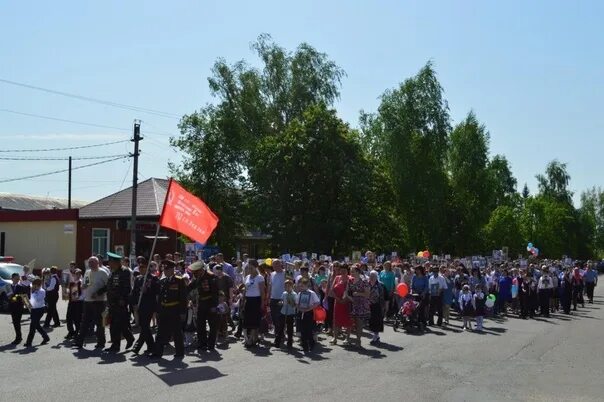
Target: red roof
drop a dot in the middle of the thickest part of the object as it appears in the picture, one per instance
(39, 216)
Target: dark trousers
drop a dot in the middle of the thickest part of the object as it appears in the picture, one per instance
(307, 323)
(277, 318)
(544, 295)
(589, 289)
(522, 299)
(331, 303)
(35, 317)
(74, 316)
(52, 313)
(287, 322)
(170, 326)
(145, 336)
(436, 307)
(565, 300)
(204, 315)
(92, 315)
(577, 296)
(120, 325)
(16, 314)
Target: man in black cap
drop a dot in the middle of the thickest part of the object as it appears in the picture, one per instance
(207, 290)
(172, 310)
(144, 299)
(118, 293)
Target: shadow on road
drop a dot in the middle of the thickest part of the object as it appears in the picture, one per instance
(389, 347)
(10, 346)
(178, 373)
(204, 357)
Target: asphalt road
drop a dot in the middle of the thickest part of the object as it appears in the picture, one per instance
(556, 359)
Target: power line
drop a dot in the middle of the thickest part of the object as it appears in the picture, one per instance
(64, 120)
(63, 149)
(62, 171)
(39, 116)
(94, 100)
(58, 159)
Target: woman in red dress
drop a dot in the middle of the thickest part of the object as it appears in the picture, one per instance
(341, 314)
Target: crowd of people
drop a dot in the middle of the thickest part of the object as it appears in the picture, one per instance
(204, 304)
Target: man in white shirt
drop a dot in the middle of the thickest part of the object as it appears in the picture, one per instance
(436, 285)
(545, 287)
(95, 288)
(276, 288)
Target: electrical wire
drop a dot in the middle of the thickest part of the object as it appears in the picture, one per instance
(64, 120)
(39, 116)
(60, 159)
(62, 170)
(63, 149)
(94, 100)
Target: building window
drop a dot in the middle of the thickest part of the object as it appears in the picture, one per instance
(100, 241)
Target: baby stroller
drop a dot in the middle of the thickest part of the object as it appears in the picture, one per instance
(408, 315)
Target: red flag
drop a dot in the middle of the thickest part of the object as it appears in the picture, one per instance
(187, 214)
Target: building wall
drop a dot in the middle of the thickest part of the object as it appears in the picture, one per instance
(120, 236)
(49, 242)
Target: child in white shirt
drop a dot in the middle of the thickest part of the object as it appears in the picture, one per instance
(306, 301)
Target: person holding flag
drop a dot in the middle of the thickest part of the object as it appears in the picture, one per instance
(172, 310)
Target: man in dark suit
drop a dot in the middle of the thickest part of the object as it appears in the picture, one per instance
(15, 305)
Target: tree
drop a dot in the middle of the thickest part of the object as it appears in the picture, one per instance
(316, 187)
(211, 170)
(592, 218)
(554, 183)
(503, 229)
(503, 181)
(525, 192)
(413, 125)
(471, 184)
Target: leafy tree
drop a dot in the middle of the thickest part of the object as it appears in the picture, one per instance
(525, 192)
(592, 218)
(210, 169)
(554, 183)
(503, 181)
(317, 188)
(503, 230)
(413, 127)
(471, 183)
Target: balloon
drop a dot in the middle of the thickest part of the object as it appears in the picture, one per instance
(536, 250)
(269, 262)
(530, 245)
(319, 314)
(514, 291)
(426, 254)
(489, 303)
(402, 289)
(528, 248)
(492, 297)
(420, 254)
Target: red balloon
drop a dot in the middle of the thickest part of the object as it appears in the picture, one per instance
(319, 314)
(402, 289)
(426, 254)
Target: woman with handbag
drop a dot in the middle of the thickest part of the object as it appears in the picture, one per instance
(341, 314)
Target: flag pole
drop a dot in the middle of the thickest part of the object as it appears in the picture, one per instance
(140, 296)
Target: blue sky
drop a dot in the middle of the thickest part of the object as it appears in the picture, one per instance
(532, 72)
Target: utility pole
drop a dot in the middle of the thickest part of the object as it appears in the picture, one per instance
(69, 189)
(136, 139)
